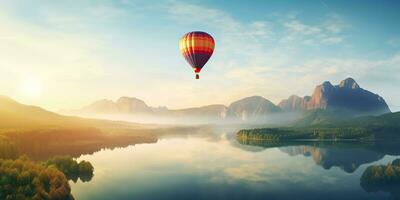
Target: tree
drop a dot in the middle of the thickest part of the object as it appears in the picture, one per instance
(25, 179)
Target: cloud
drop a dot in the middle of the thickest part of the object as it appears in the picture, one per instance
(248, 172)
(332, 40)
(394, 42)
(107, 12)
(367, 69)
(335, 24)
(231, 33)
(326, 33)
(379, 74)
(46, 51)
(296, 27)
(267, 57)
(263, 57)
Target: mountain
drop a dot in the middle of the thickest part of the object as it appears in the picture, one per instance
(131, 104)
(388, 120)
(134, 106)
(320, 117)
(14, 115)
(337, 118)
(294, 103)
(347, 96)
(124, 105)
(251, 108)
(246, 109)
(133, 109)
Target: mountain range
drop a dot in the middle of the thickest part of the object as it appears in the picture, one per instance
(14, 115)
(346, 97)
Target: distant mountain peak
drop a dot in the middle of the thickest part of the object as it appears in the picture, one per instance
(346, 96)
(293, 103)
(123, 105)
(255, 97)
(126, 98)
(293, 96)
(327, 84)
(132, 104)
(349, 83)
(252, 100)
(251, 108)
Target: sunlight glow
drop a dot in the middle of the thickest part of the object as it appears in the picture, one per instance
(31, 86)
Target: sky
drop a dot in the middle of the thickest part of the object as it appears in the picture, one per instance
(67, 54)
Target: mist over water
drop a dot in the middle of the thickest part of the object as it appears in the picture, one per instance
(276, 119)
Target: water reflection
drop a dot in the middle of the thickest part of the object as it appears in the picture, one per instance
(217, 166)
(348, 156)
(347, 159)
(200, 168)
(375, 179)
(382, 178)
(44, 145)
(41, 145)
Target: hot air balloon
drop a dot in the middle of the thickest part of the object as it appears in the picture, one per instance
(197, 47)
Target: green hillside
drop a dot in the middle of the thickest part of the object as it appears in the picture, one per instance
(339, 118)
(321, 125)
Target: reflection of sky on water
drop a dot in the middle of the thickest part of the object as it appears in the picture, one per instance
(198, 168)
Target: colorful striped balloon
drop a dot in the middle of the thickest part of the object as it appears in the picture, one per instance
(197, 47)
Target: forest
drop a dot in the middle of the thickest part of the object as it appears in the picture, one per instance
(23, 178)
(278, 134)
(360, 129)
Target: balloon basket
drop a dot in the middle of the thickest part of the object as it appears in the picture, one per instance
(197, 76)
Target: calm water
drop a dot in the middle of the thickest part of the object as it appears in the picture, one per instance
(220, 167)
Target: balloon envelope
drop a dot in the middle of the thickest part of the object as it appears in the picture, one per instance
(197, 48)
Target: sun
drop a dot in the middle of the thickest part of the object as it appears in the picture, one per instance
(31, 86)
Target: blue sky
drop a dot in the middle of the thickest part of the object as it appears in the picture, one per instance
(81, 51)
